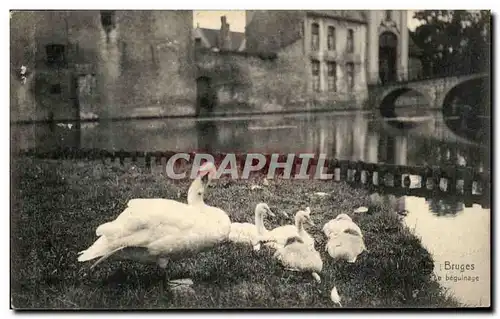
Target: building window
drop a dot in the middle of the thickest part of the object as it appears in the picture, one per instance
(388, 15)
(331, 39)
(350, 41)
(108, 22)
(350, 76)
(87, 84)
(108, 19)
(315, 75)
(332, 76)
(315, 37)
(55, 89)
(197, 43)
(55, 54)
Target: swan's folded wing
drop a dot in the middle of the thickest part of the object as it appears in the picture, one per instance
(282, 233)
(300, 256)
(145, 202)
(133, 220)
(157, 205)
(150, 206)
(332, 227)
(335, 227)
(243, 232)
(353, 244)
(180, 238)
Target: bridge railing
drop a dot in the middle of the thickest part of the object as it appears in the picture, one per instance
(418, 74)
(464, 184)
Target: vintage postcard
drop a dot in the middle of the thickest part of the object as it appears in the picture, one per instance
(184, 159)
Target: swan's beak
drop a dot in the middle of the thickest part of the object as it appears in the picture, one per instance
(205, 180)
(310, 222)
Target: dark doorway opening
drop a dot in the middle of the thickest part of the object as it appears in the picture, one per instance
(388, 52)
(206, 98)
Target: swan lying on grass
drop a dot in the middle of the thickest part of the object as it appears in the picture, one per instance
(345, 239)
(296, 255)
(161, 230)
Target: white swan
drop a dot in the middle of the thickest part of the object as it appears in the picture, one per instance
(345, 239)
(342, 223)
(345, 246)
(166, 230)
(296, 255)
(278, 237)
(247, 233)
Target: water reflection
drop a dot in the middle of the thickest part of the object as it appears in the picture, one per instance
(452, 233)
(206, 134)
(445, 207)
(463, 239)
(351, 136)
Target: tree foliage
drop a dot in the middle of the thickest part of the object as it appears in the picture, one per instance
(453, 41)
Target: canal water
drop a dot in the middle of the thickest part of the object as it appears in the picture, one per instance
(453, 233)
(460, 243)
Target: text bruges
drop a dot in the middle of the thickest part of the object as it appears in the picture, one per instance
(462, 267)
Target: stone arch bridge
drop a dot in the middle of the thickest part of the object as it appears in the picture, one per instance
(473, 89)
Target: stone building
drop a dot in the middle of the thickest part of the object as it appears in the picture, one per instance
(415, 63)
(101, 64)
(336, 53)
(222, 38)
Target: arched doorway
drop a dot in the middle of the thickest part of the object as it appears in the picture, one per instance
(387, 55)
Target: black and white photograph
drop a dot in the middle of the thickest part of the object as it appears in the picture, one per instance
(190, 159)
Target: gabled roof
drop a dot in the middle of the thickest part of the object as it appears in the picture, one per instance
(209, 37)
(350, 15)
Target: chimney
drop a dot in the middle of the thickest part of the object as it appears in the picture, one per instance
(224, 35)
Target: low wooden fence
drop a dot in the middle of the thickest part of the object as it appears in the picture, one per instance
(465, 184)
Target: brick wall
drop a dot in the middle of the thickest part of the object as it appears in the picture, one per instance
(155, 74)
(22, 52)
(244, 82)
(251, 82)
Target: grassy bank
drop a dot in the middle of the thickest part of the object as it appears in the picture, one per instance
(56, 206)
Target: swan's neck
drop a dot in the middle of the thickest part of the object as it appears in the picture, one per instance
(259, 223)
(300, 226)
(197, 202)
(193, 198)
